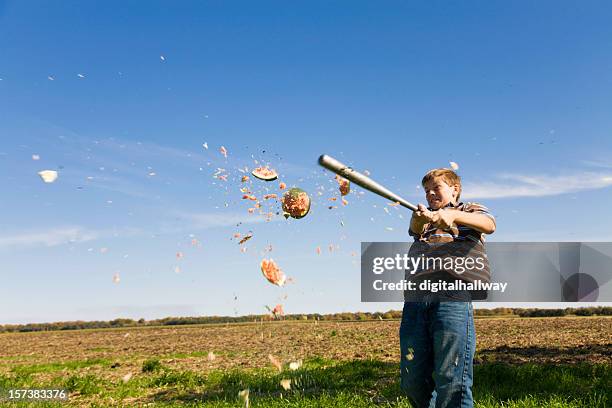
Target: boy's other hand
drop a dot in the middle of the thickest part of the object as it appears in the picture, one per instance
(445, 219)
(423, 215)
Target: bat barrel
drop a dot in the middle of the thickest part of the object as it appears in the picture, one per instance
(362, 180)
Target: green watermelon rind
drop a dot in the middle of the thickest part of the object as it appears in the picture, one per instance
(264, 178)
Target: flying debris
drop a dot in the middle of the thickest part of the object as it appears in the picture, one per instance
(277, 311)
(245, 239)
(48, 176)
(344, 185)
(223, 151)
(275, 362)
(286, 384)
(296, 203)
(295, 365)
(265, 173)
(244, 396)
(272, 272)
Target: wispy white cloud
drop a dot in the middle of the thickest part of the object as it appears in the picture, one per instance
(600, 164)
(70, 234)
(519, 185)
(56, 236)
(49, 238)
(199, 221)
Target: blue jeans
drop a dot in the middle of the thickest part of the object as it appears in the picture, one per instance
(438, 342)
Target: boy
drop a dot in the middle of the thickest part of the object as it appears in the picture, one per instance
(437, 337)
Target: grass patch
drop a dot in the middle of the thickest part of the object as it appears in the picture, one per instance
(151, 365)
(180, 379)
(373, 383)
(85, 385)
(584, 383)
(328, 383)
(25, 370)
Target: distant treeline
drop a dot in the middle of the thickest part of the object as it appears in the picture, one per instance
(569, 311)
(391, 314)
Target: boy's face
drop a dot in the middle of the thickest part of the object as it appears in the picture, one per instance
(439, 194)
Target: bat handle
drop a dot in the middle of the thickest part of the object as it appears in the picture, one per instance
(408, 205)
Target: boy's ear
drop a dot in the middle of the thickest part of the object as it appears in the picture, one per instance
(455, 191)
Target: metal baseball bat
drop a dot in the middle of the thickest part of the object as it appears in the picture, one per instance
(348, 173)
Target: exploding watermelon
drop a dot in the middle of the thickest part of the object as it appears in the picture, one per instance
(296, 203)
(265, 173)
(272, 272)
(344, 185)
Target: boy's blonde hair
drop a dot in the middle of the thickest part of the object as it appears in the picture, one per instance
(449, 176)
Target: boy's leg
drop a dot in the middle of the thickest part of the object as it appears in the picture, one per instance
(416, 355)
(454, 342)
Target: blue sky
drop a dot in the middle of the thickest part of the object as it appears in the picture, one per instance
(517, 93)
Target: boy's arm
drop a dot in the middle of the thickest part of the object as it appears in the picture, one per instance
(477, 220)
